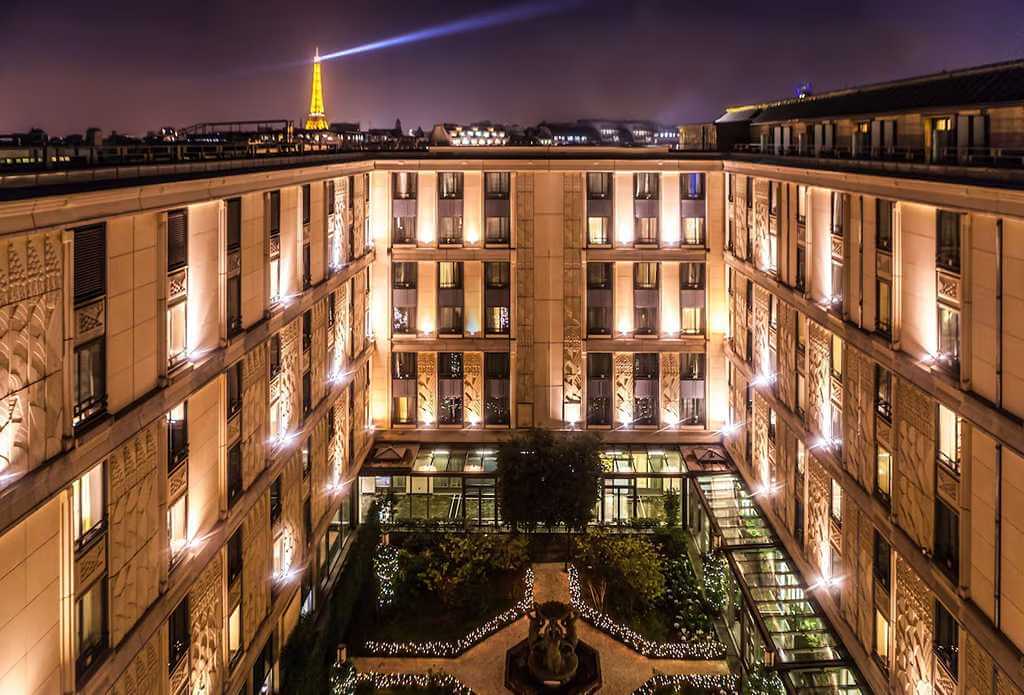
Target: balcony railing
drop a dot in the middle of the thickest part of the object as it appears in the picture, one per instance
(996, 157)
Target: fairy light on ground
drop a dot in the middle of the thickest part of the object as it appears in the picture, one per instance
(450, 648)
(693, 649)
(436, 680)
(385, 565)
(702, 681)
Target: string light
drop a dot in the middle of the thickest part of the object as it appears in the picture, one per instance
(451, 648)
(383, 681)
(700, 681)
(691, 649)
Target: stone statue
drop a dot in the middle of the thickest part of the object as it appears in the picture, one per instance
(552, 642)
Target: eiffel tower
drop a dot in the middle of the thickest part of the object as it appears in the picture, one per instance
(317, 119)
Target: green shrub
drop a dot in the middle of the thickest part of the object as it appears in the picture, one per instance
(623, 571)
(670, 503)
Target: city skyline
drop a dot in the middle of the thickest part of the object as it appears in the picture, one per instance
(227, 69)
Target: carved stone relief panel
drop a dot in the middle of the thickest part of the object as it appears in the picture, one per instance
(623, 387)
(670, 411)
(318, 351)
(206, 622)
(572, 289)
(256, 567)
(359, 309)
(759, 455)
(472, 386)
(426, 386)
(914, 461)
(524, 367)
(144, 675)
(255, 409)
(818, 527)
(342, 326)
(818, 377)
(762, 363)
(739, 208)
(135, 517)
(913, 631)
(759, 234)
(289, 398)
(858, 415)
(786, 343)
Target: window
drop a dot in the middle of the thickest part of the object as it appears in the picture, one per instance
(263, 671)
(883, 392)
(88, 496)
(234, 302)
(332, 311)
(306, 205)
(801, 204)
(234, 223)
(947, 540)
(496, 185)
(449, 297)
(90, 263)
(645, 208)
(234, 473)
(881, 644)
(947, 252)
(179, 636)
(883, 473)
(599, 298)
(693, 231)
(838, 209)
(645, 298)
(691, 298)
(449, 185)
(772, 425)
(691, 276)
(177, 330)
(274, 232)
(275, 355)
(599, 208)
(949, 339)
(599, 185)
(801, 268)
(883, 562)
(275, 500)
(836, 361)
(883, 216)
(403, 298)
(90, 381)
(403, 388)
(177, 526)
(307, 457)
(177, 435)
(450, 388)
(946, 640)
(496, 388)
(645, 389)
(730, 186)
(599, 388)
(692, 187)
(234, 557)
(307, 266)
(883, 294)
(234, 389)
(773, 198)
(835, 504)
(645, 186)
(950, 434)
(497, 302)
(177, 239)
(307, 330)
(403, 185)
(91, 625)
(496, 229)
(235, 634)
(836, 300)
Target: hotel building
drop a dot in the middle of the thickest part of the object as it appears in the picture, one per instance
(803, 317)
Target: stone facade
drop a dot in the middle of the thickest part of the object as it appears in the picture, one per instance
(572, 295)
(523, 360)
(914, 477)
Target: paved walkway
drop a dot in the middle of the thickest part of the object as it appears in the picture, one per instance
(482, 667)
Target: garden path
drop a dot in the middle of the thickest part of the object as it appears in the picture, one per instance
(482, 667)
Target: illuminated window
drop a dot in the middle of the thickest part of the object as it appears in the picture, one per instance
(280, 559)
(177, 435)
(801, 204)
(881, 638)
(838, 213)
(883, 294)
(88, 501)
(884, 212)
(835, 507)
(403, 388)
(91, 625)
(950, 426)
(235, 634)
(177, 318)
(949, 338)
(883, 392)
(947, 253)
(693, 231)
(883, 473)
(597, 231)
(837, 357)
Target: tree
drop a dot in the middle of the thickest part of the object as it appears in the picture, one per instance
(546, 480)
(622, 570)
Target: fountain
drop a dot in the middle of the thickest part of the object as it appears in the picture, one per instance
(552, 660)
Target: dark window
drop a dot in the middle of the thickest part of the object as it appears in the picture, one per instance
(691, 276)
(599, 185)
(234, 300)
(275, 355)
(234, 473)
(883, 392)
(838, 213)
(305, 204)
(234, 556)
(449, 185)
(307, 394)
(179, 636)
(403, 185)
(496, 388)
(331, 315)
(91, 626)
(750, 191)
(693, 186)
(497, 302)
(449, 297)
(946, 643)
(330, 196)
(234, 223)
(947, 540)
(263, 670)
(883, 562)
(403, 297)
(801, 268)
(307, 267)
(645, 185)
(330, 423)
(307, 330)
(496, 185)
(450, 388)
(645, 388)
(947, 253)
(234, 388)
(403, 388)
(645, 298)
(883, 216)
(177, 239)
(274, 221)
(599, 298)
(177, 436)
(599, 388)
(90, 381)
(90, 263)
(275, 500)
(307, 457)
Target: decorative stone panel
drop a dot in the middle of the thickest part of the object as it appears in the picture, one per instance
(858, 415)
(572, 290)
(739, 208)
(426, 386)
(762, 364)
(289, 396)
(359, 208)
(342, 325)
(759, 234)
(735, 442)
(472, 386)
(206, 621)
(144, 675)
(759, 455)
(31, 349)
(318, 352)
(786, 345)
(818, 524)
(623, 387)
(913, 631)
(255, 411)
(524, 367)
(914, 459)
(819, 345)
(359, 309)
(135, 517)
(669, 368)
(290, 525)
(360, 394)
(256, 567)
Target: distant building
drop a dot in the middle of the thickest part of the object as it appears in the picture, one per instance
(474, 135)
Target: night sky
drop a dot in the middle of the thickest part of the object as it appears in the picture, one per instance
(134, 66)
